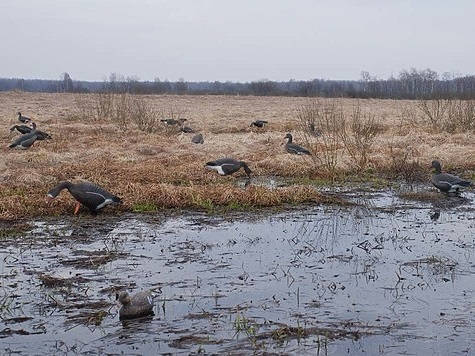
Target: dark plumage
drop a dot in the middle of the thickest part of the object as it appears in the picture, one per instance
(135, 306)
(258, 123)
(23, 129)
(173, 121)
(186, 129)
(294, 148)
(25, 141)
(88, 194)
(446, 182)
(226, 166)
(198, 138)
(41, 135)
(23, 119)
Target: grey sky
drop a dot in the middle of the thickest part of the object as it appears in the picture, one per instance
(238, 40)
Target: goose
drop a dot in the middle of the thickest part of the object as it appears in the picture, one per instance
(23, 129)
(25, 141)
(198, 138)
(294, 148)
(88, 194)
(258, 123)
(186, 129)
(226, 166)
(173, 121)
(41, 135)
(23, 119)
(446, 182)
(135, 306)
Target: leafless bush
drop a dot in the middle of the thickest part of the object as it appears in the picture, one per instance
(358, 136)
(121, 109)
(325, 120)
(83, 108)
(104, 105)
(144, 116)
(401, 165)
(448, 115)
(460, 116)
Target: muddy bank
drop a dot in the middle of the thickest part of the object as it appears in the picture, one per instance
(388, 274)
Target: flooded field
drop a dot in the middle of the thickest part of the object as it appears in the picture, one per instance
(383, 276)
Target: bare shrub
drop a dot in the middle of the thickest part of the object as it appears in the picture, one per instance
(122, 108)
(433, 112)
(104, 105)
(327, 119)
(358, 136)
(460, 116)
(401, 165)
(144, 116)
(83, 108)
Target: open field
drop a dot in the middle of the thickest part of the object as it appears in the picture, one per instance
(164, 169)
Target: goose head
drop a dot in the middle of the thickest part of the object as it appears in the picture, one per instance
(123, 298)
(437, 166)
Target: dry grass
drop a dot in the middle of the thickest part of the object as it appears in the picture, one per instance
(165, 169)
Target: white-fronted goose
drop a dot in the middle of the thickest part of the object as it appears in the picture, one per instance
(88, 194)
(226, 166)
(23, 119)
(25, 141)
(294, 148)
(258, 123)
(198, 138)
(446, 182)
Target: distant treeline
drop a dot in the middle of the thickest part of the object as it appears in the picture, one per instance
(412, 84)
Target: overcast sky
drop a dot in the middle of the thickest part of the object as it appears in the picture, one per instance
(239, 40)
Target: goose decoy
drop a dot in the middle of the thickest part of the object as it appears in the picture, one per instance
(41, 135)
(258, 123)
(173, 121)
(186, 129)
(88, 194)
(23, 129)
(25, 141)
(226, 166)
(23, 119)
(197, 139)
(294, 148)
(446, 182)
(135, 306)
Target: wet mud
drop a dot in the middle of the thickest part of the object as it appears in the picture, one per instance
(392, 273)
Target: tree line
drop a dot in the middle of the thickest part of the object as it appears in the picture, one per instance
(409, 84)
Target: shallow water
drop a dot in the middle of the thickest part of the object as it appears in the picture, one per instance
(386, 276)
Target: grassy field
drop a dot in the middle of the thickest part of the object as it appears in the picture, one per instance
(163, 169)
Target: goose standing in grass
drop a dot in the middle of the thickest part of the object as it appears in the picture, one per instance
(446, 182)
(294, 148)
(198, 138)
(88, 194)
(25, 141)
(226, 166)
(258, 123)
(23, 119)
(186, 129)
(135, 306)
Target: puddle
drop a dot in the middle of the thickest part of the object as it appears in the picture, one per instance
(390, 275)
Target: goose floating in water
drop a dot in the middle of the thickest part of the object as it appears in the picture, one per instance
(198, 138)
(23, 119)
(135, 306)
(88, 194)
(294, 148)
(258, 123)
(446, 182)
(25, 141)
(226, 166)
